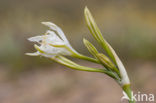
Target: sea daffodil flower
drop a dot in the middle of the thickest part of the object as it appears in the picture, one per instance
(52, 43)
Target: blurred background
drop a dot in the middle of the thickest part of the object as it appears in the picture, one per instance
(128, 25)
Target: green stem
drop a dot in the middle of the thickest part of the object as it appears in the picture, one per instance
(64, 61)
(75, 54)
(80, 56)
(128, 91)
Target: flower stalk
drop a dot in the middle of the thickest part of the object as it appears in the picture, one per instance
(66, 62)
(128, 91)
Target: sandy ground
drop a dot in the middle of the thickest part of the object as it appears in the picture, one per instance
(58, 84)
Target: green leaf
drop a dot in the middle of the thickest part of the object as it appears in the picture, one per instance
(95, 31)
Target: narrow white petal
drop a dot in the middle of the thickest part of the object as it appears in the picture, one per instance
(49, 51)
(57, 29)
(35, 38)
(49, 32)
(48, 56)
(52, 38)
(56, 41)
(33, 54)
(60, 33)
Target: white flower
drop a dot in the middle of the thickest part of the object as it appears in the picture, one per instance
(52, 43)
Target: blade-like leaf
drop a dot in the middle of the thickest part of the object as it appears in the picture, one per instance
(95, 31)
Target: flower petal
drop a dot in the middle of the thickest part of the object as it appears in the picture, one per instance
(52, 38)
(57, 29)
(33, 54)
(60, 33)
(35, 38)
